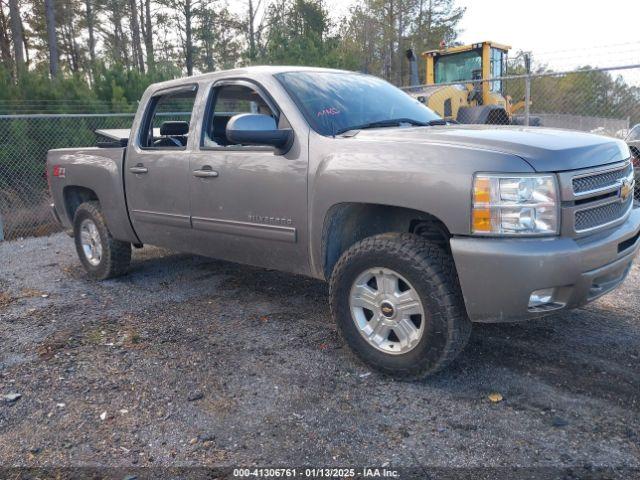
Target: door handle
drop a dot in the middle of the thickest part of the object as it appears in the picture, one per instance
(139, 168)
(205, 172)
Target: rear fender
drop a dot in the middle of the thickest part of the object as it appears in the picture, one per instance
(98, 170)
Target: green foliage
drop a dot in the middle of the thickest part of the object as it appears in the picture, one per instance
(372, 38)
(377, 33)
(300, 35)
(121, 88)
(35, 92)
(115, 89)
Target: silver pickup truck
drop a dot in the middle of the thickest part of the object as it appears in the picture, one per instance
(420, 227)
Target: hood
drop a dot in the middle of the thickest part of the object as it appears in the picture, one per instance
(545, 149)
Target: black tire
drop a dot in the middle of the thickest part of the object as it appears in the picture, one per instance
(116, 254)
(535, 122)
(431, 271)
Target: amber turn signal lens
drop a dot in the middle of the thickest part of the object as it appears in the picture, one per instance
(481, 220)
(481, 191)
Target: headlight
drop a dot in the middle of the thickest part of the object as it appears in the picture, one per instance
(515, 205)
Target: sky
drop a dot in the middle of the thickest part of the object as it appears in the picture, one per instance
(562, 33)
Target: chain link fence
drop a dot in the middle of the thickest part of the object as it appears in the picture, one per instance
(601, 101)
(597, 100)
(24, 142)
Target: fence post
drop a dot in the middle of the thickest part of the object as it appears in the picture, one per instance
(527, 98)
(1, 229)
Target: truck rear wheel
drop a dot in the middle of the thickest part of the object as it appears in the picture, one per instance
(101, 255)
(398, 304)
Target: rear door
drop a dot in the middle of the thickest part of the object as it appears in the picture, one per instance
(157, 172)
(251, 206)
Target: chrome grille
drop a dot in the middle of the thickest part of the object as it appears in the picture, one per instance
(592, 198)
(600, 181)
(591, 218)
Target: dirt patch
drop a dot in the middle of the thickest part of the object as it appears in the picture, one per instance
(54, 343)
(6, 299)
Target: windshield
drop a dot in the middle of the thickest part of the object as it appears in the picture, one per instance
(332, 102)
(458, 66)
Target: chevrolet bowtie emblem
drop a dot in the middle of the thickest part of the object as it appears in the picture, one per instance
(625, 189)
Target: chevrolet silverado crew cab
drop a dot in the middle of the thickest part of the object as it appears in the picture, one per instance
(420, 227)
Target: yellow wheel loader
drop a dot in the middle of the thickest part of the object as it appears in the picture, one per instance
(459, 87)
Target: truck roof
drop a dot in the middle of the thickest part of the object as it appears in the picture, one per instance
(253, 70)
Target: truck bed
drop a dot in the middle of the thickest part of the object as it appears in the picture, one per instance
(117, 137)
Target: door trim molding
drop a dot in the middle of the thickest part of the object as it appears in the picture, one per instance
(246, 229)
(172, 219)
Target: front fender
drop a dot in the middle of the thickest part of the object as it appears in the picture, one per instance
(435, 179)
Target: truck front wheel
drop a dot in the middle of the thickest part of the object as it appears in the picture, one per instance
(398, 304)
(101, 255)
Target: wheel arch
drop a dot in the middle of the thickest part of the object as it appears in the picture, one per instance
(347, 223)
(73, 196)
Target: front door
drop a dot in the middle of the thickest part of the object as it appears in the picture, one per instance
(157, 173)
(248, 204)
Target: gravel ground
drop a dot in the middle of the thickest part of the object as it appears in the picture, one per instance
(192, 361)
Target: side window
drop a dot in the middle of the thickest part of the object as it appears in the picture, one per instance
(230, 100)
(167, 121)
(497, 69)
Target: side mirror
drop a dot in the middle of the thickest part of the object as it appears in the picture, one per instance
(257, 129)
